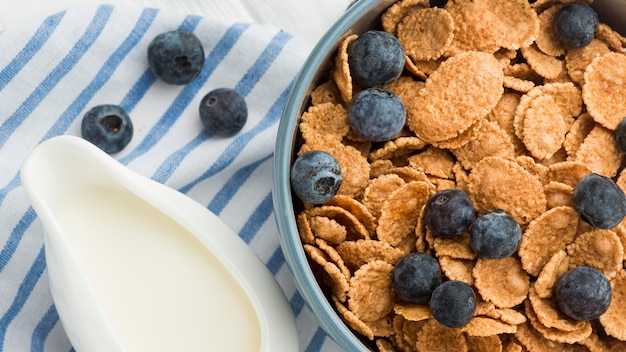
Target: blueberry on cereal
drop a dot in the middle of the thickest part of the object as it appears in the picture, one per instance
(453, 303)
(176, 57)
(415, 277)
(599, 201)
(316, 177)
(375, 58)
(377, 114)
(576, 25)
(620, 135)
(583, 293)
(449, 213)
(495, 235)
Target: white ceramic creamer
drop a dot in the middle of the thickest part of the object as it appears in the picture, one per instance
(136, 266)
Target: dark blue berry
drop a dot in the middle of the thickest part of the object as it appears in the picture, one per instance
(495, 235)
(223, 111)
(176, 57)
(377, 114)
(583, 293)
(599, 201)
(453, 303)
(375, 58)
(108, 127)
(316, 177)
(576, 25)
(620, 135)
(449, 213)
(415, 277)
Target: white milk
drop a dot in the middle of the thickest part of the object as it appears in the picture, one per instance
(159, 286)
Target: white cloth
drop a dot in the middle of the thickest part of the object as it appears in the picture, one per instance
(51, 73)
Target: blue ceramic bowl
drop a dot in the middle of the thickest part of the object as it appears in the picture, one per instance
(360, 17)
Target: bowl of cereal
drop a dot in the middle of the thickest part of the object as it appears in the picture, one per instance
(446, 174)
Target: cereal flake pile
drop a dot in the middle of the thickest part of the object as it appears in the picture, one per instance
(498, 108)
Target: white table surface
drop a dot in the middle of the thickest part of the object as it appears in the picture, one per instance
(308, 20)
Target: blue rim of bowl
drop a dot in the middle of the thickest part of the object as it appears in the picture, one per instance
(359, 17)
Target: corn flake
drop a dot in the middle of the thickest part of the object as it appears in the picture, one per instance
(370, 296)
(401, 210)
(438, 113)
(426, 33)
(545, 236)
(502, 282)
(613, 319)
(497, 183)
(604, 90)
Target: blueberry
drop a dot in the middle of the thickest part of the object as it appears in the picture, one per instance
(599, 201)
(620, 135)
(495, 235)
(176, 57)
(377, 114)
(375, 58)
(108, 127)
(223, 111)
(316, 177)
(583, 293)
(576, 25)
(453, 303)
(415, 277)
(449, 213)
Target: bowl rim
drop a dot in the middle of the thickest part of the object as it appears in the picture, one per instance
(293, 250)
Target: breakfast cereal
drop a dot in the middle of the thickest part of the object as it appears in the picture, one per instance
(499, 108)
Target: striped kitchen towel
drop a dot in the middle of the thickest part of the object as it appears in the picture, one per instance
(54, 71)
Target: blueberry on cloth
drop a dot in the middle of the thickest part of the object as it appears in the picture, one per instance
(176, 57)
(453, 303)
(495, 235)
(315, 177)
(223, 111)
(377, 114)
(415, 277)
(108, 127)
(599, 201)
(620, 135)
(576, 25)
(583, 293)
(375, 58)
(449, 213)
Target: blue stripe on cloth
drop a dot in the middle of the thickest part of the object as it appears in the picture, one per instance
(147, 79)
(317, 341)
(4, 191)
(243, 87)
(186, 95)
(257, 219)
(236, 147)
(43, 329)
(35, 43)
(63, 68)
(262, 63)
(276, 261)
(297, 303)
(16, 236)
(227, 192)
(24, 291)
(167, 168)
(103, 75)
